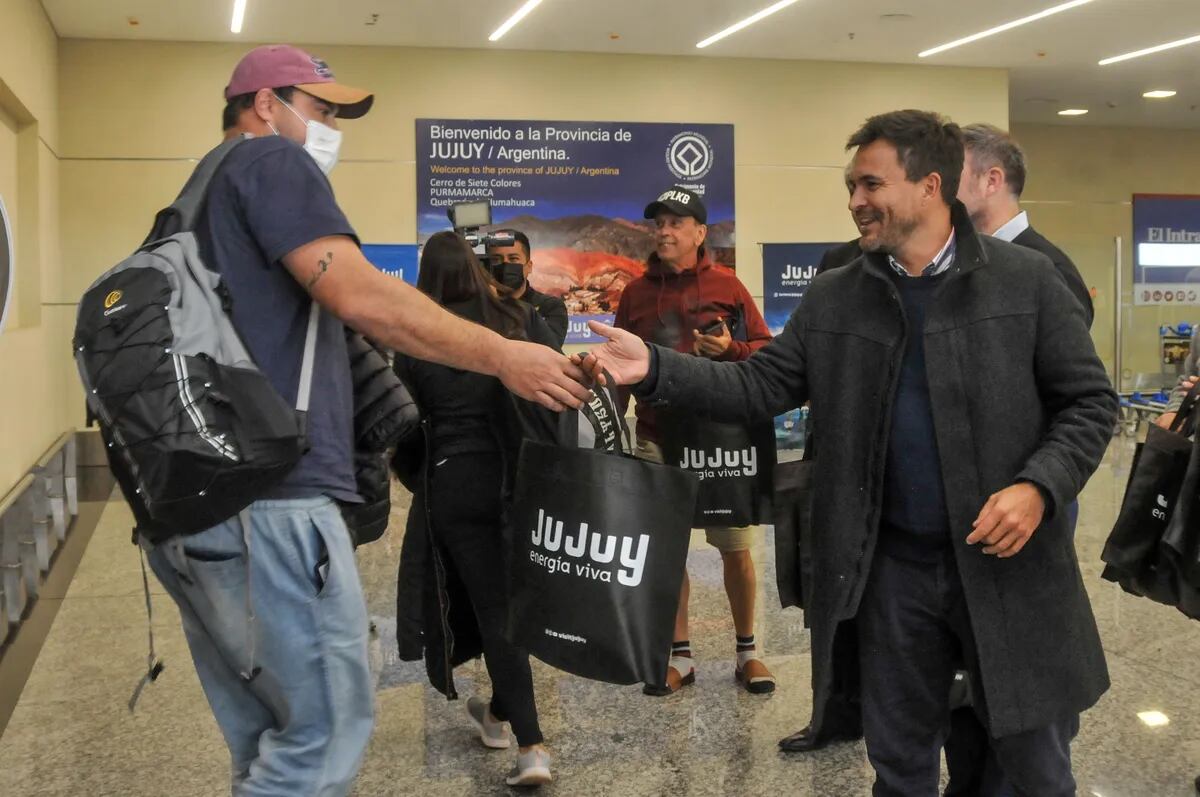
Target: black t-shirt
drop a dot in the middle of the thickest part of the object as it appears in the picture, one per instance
(267, 199)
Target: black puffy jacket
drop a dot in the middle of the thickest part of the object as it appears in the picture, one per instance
(384, 411)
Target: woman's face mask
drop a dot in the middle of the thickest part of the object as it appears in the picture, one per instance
(322, 142)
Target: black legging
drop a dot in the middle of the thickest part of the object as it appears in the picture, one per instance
(466, 516)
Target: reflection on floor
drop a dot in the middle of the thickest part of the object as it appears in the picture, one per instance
(72, 734)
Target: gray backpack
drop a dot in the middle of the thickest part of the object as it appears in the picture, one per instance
(195, 431)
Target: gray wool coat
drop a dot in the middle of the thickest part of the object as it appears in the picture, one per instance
(1018, 394)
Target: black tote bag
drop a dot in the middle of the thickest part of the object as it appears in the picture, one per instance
(1159, 511)
(1178, 562)
(597, 548)
(735, 465)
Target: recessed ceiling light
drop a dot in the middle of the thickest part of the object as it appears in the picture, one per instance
(1016, 23)
(1159, 94)
(1073, 112)
(1154, 719)
(239, 15)
(747, 22)
(514, 19)
(1150, 50)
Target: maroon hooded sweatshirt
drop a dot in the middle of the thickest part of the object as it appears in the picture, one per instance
(664, 306)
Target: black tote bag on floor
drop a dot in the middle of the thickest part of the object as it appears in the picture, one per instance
(597, 548)
(735, 465)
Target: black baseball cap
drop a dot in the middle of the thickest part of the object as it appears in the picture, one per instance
(679, 201)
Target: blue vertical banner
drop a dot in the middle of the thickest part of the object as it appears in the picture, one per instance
(1166, 249)
(788, 270)
(577, 189)
(398, 260)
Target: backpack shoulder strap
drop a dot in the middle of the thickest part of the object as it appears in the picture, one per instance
(182, 214)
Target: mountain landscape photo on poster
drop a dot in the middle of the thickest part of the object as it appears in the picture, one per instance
(577, 189)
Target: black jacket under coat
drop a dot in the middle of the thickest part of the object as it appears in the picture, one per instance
(1018, 394)
(383, 412)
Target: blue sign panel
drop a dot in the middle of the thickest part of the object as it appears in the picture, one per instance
(399, 260)
(1166, 249)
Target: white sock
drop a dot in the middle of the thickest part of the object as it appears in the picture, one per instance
(747, 649)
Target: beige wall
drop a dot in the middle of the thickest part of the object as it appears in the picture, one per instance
(34, 349)
(134, 112)
(1081, 181)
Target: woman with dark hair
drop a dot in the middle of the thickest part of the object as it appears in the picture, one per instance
(451, 603)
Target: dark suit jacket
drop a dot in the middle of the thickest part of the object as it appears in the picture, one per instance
(1032, 239)
(839, 256)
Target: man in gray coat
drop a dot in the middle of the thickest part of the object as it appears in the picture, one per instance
(965, 408)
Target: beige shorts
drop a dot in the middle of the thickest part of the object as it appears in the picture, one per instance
(724, 538)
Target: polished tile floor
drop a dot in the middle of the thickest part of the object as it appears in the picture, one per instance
(71, 733)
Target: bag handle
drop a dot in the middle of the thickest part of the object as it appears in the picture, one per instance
(568, 422)
(1185, 418)
(310, 355)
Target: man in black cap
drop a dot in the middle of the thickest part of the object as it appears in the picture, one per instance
(688, 303)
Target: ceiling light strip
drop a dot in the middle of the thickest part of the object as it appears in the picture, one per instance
(745, 23)
(1016, 23)
(1150, 50)
(508, 25)
(239, 16)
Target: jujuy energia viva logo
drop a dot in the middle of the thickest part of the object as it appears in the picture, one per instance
(720, 463)
(592, 551)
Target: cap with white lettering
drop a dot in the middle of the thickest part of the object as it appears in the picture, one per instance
(680, 202)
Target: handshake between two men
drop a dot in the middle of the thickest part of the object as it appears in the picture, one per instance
(1003, 526)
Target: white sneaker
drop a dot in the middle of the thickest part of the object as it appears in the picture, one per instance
(492, 732)
(532, 769)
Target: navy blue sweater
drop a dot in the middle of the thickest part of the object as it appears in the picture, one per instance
(914, 499)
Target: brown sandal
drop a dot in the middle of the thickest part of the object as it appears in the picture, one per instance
(755, 677)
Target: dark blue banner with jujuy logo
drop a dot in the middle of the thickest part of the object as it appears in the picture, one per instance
(577, 189)
(788, 271)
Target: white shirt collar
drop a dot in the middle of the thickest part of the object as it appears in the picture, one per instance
(941, 261)
(1015, 226)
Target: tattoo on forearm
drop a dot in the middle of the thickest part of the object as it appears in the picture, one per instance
(322, 266)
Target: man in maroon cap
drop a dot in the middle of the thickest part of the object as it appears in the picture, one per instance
(298, 723)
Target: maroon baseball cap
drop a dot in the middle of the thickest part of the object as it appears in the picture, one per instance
(274, 66)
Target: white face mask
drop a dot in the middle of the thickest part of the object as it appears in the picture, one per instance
(322, 142)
